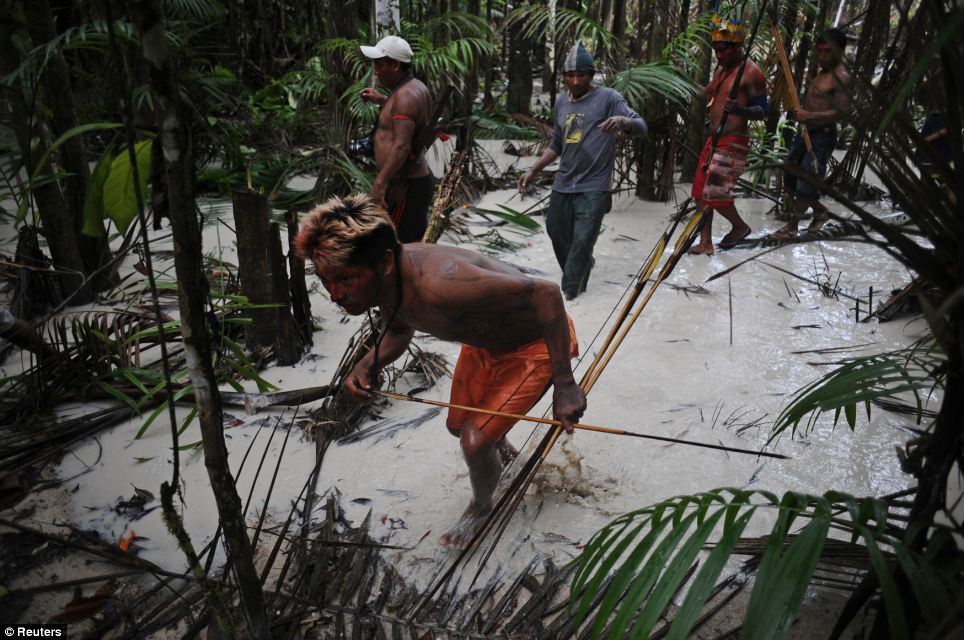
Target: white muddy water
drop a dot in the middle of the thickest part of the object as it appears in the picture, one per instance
(677, 374)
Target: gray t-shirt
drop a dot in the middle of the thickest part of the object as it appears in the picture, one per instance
(585, 152)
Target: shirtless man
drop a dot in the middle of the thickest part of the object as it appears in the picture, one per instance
(826, 101)
(515, 334)
(715, 179)
(404, 184)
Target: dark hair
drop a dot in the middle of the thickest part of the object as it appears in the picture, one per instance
(836, 37)
(370, 249)
(404, 66)
(347, 231)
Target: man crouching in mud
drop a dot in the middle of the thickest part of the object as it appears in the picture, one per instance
(516, 336)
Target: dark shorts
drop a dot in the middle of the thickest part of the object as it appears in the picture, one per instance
(824, 141)
(410, 211)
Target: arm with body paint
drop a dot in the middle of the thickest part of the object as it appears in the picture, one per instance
(754, 86)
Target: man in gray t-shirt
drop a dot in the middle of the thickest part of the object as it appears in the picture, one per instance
(586, 119)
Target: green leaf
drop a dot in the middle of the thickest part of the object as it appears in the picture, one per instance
(94, 200)
(705, 580)
(45, 158)
(120, 196)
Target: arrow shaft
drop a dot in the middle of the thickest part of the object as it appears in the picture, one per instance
(578, 425)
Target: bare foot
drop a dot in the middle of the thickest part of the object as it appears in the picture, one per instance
(819, 219)
(507, 452)
(786, 233)
(461, 534)
(731, 239)
(702, 249)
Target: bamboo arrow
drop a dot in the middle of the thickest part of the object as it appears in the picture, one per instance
(578, 425)
(788, 78)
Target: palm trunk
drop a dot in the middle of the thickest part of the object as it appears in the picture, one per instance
(54, 217)
(192, 288)
(73, 154)
(519, 68)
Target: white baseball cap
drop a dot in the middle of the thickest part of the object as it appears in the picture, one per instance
(390, 47)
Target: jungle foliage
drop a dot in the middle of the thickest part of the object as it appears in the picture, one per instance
(269, 90)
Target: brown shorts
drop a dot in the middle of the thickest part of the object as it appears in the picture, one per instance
(511, 382)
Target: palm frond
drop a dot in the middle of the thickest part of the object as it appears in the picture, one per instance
(349, 52)
(197, 9)
(452, 26)
(569, 25)
(659, 79)
(861, 380)
(640, 560)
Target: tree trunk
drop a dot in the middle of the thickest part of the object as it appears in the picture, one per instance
(619, 19)
(695, 132)
(58, 230)
(519, 92)
(73, 154)
(287, 343)
(254, 266)
(192, 290)
(300, 303)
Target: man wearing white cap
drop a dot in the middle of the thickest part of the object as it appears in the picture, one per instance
(404, 184)
(584, 138)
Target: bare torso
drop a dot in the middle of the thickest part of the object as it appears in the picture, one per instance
(465, 297)
(417, 98)
(718, 91)
(827, 97)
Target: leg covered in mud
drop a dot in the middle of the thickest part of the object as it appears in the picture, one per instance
(483, 457)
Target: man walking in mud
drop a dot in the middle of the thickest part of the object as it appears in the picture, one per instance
(717, 176)
(516, 337)
(404, 184)
(825, 103)
(587, 120)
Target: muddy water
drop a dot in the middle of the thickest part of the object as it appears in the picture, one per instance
(677, 374)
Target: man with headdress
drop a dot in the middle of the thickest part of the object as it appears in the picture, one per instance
(825, 102)
(404, 184)
(586, 121)
(517, 339)
(717, 176)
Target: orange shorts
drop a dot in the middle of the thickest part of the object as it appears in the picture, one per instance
(512, 382)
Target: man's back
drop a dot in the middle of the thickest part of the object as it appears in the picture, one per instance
(463, 296)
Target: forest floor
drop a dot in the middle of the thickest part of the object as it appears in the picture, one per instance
(712, 362)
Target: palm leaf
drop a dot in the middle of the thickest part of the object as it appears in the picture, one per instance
(862, 379)
(647, 553)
